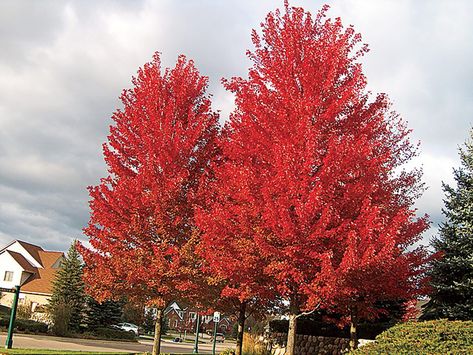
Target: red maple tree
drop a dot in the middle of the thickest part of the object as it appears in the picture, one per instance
(317, 157)
(142, 228)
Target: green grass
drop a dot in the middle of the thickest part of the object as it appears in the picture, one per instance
(60, 352)
(72, 352)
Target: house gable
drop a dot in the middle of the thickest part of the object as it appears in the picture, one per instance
(29, 251)
(21, 260)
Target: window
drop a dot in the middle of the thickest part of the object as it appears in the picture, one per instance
(192, 315)
(8, 276)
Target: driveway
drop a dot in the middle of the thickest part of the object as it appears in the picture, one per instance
(58, 343)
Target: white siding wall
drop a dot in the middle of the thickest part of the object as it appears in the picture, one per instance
(7, 263)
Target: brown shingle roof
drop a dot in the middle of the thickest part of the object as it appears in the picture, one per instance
(42, 281)
(20, 259)
(32, 249)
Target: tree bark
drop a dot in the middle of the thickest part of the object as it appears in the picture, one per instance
(241, 328)
(291, 335)
(353, 325)
(157, 333)
(292, 331)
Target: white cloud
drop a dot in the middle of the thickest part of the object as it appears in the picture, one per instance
(65, 63)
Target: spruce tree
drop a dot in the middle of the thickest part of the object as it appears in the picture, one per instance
(452, 272)
(102, 314)
(67, 301)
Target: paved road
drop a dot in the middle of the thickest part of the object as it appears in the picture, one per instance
(57, 343)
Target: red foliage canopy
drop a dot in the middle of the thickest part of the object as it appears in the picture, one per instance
(229, 225)
(312, 163)
(142, 227)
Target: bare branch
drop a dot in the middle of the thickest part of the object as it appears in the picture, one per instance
(309, 312)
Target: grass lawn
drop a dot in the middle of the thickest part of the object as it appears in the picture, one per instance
(59, 352)
(71, 352)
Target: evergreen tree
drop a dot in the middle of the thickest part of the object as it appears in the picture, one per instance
(102, 314)
(67, 301)
(452, 272)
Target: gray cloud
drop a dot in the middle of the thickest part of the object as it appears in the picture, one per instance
(64, 64)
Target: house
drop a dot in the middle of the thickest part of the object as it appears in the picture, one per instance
(31, 267)
(225, 325)
(181, 317)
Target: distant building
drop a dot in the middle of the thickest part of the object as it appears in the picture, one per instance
(181, 317)
(31, 267)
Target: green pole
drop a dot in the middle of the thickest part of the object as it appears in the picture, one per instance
(215, 337)
(196, 342)
(9, 342)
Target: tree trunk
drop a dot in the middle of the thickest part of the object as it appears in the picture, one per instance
(353, 325)
(157, 333)
(291, 334)
(241, 328)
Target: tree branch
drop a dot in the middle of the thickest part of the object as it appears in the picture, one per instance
(309, 312)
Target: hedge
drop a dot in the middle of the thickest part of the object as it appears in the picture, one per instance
(111, 333)
(318, 328)
(4, 310)
(25, 325)
(432, 337)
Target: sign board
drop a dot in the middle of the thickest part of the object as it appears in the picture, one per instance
(2, 289)
(216, 317)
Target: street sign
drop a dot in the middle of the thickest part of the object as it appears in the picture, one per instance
(2, 289)
(216, 317)
(216, 320)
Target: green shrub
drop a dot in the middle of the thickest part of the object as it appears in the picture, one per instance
(61, 316)
(24, 311)
(25, 325)
(4, 321)
(4, 310)
(111, 333)
(433, 337)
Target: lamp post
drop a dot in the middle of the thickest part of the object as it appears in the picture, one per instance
(11, 325)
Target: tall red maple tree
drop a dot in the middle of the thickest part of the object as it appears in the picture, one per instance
(142, 229)
(320, 156)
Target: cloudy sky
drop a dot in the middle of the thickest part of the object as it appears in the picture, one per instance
(63, 65)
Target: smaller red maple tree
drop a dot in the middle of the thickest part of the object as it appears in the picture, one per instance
(141, 227)
(374, 261)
